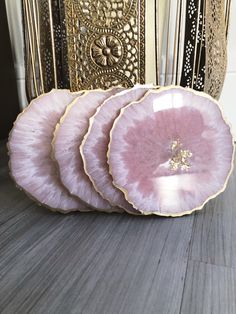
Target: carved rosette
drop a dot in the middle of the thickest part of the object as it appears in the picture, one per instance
(106, 51)
(105, 43)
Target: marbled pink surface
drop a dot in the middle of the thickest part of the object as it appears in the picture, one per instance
(95, 144)
(68, 138)
(30, 152)
(140, 151)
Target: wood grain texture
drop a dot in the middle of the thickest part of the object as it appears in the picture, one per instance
(96, 263)
(214, 231)
(209, 289)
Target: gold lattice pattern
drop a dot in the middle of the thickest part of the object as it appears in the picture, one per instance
(105, 43)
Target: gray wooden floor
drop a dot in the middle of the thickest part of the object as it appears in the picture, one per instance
(99, 263)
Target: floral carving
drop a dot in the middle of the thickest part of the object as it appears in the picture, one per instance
(106, 51)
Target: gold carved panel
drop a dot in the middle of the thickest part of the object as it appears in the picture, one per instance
(105, 42)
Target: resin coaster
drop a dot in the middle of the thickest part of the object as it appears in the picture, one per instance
(67, 140)
(95, 145)
(30, 152)
(171, 152)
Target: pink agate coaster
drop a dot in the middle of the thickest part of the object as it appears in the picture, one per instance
(68, 138)
(95, 145)
(171, 152)
(30, 152)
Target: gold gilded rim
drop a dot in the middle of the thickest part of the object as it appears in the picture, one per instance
(165, 88)
(91, 120)
(55, 134)
(60, 210)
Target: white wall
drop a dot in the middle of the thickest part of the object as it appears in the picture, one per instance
(16, 33)
(228, 97)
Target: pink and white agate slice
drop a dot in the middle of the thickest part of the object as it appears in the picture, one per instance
(171, 152)
(95, 145)
(30, 152)
(67, 140)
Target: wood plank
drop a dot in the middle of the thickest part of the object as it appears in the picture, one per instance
(214, 231)
(95, 263)
(12, 201)
(209, 289)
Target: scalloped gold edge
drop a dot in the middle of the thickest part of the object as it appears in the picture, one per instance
(59, 210)
(202, 94)
(55, 134)
(91, 120)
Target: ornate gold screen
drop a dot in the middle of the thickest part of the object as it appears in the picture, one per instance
(87, 44)
(105, 42)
